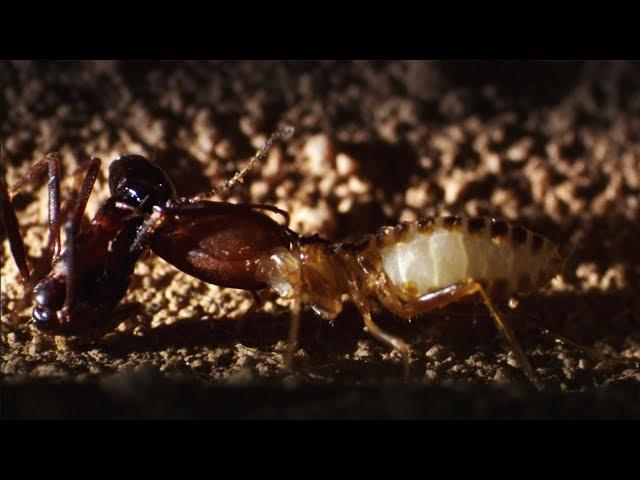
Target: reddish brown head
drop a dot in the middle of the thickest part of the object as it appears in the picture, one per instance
(219, 242)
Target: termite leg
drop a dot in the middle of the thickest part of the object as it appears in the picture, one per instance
(294, 329)
(604, 361)
(393, 342)
(507, 331)
(377, 332)
(453, 293)
(72, 229)
(271, 208)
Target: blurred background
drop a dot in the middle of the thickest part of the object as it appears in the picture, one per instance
(552, 145)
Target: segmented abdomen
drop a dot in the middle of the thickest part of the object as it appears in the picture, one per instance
(420, 257)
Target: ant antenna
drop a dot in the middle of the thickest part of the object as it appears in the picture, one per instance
(282, 134)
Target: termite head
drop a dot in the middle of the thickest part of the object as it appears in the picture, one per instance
(308, 271)
(135, 180)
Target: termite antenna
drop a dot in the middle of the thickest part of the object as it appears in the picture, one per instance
(283, 134)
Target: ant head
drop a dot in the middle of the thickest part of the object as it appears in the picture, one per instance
(135, 180)
(49, 298)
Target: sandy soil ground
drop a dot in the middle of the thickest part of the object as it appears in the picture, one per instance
(555, 146)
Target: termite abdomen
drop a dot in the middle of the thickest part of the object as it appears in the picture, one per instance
(427, 255)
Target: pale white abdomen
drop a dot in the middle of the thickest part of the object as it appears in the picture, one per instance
(420, 257)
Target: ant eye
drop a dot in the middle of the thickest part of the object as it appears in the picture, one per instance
(45, 319)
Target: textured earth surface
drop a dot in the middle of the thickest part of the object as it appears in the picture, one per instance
(553, 145)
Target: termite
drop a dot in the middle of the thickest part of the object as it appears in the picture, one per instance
(414, 268)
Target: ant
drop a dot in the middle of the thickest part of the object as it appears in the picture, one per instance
(77, 289)
(410, 269)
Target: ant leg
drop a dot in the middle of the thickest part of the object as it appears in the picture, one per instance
(69, 204)
(85, 191)
(70, 261)
(453, 293)
(16, 245)
(10, 222)
(378, 333)
(10, 226)
(150, 225)
(52, 162)
(72, 229)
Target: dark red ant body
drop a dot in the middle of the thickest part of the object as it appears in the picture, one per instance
(214, 241)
